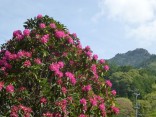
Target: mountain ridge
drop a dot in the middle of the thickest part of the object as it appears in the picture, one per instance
(139, 58)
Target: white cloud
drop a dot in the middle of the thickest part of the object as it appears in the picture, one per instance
(132, 11)
(138, 15)
(144, 33)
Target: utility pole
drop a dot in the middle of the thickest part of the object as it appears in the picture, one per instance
(136, 104)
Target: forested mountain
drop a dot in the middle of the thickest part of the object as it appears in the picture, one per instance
(136, 58)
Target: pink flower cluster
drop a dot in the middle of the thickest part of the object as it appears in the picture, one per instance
(48, 114)
(71, 77)
(95, 57)
(102, 61)
(10, 88)
(43, 100)
(27, 63)
(106, 67)
(19, 36)
(37, 61)
(62, 104)
(82, 115)
(52, 25)
(56, 68)
(39, 16)
(15, 109)
(83, 101)
(94, 71)
(93, 101)
(86, 88)
(45, 39)
(70, 40)
(21, 54)
(26, 32)
(113, 92)
(64, 90)
(60, 34)
(108, 83)
(42, 25)
(115, 109)
(102, 107)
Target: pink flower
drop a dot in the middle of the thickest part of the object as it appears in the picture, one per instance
(64, 90)
(27, 63)
(59, 73)
(25, 109)
(61, 64)
(37, 61)
(95, 57)
(69, 74)
(14, 56)
(71, 77)
(74, 35)
(42, 25)
(19, 37)
(48, 114)
(102, 61)
(14, 111)
(59, 34)
(106, 67)
(45, 39)
(1, 85)
(59, 82)
(83, 101)
(3, 68)
(27, 54)
(16, 33)
(108, 83)
(14, 115)
(87, 88)
(70, 40)
(39, 16)
(93, 101)
(7, 65)
(102, 107)
(115, 110)
(54, 67)
(88, 53)
(93, 68)
(8, 55)
(43, 100)
(73, 81)
(20, 54)
(87, 48)
(52, 25)
(26, 32)
(113, 92)
(10, 88)
(82, 115)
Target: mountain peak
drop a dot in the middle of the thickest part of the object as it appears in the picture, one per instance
(131, 58)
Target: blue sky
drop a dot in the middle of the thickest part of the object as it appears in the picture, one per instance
(107, 26)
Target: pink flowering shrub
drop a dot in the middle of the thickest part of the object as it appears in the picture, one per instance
(45, 72)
